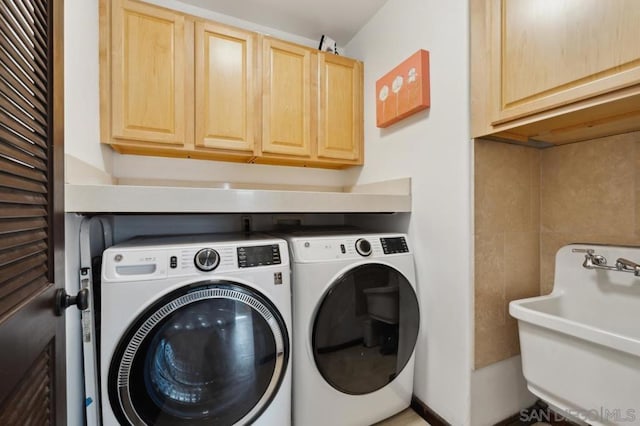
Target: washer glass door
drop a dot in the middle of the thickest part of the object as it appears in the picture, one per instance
(365, 329)
(206, 354)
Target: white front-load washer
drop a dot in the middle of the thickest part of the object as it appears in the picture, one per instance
(196, 331)
(355, 322)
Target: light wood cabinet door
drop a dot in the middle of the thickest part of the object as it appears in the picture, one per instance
(148, 73)
(340, 118)
(286, 98)
(225, 87)
(549, 53)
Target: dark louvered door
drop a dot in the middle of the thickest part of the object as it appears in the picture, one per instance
(32, 376)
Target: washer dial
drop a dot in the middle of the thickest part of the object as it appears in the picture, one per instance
(207, 259)
(363, 247)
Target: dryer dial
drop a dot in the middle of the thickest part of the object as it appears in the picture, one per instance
(363, 247)
(207, 259)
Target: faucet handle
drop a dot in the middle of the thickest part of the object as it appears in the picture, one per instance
(623, 264)
(592, 260)
(588, 251)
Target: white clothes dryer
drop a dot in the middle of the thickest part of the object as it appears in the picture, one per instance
(356, 321)
(196, 330)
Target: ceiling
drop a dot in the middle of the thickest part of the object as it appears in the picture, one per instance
(339, 19)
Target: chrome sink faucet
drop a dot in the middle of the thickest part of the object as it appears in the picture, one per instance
(596, 261)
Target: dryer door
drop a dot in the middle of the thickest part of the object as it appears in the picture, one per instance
(365, 329)
(209, 353)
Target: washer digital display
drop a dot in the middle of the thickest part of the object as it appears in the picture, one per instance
(259, 256)
(394, 245)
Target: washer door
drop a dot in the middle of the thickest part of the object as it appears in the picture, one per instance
(365, 329)
(210, 353)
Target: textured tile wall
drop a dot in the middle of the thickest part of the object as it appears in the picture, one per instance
(507, 223)
(590, 193)
(528, 204)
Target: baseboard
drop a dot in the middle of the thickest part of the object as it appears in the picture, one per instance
(427, 413)
(517, 419)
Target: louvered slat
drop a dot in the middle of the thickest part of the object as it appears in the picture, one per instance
(42, 9)
(9, 151)
(11, 226)
(23, 55)
(30, 403)
(17, 169)
(22, 280)
(23, 74)
(34, 379)
(15, 212)
(40, 406)
(22, 238)
(11, 81)
(19, 31)
(31, 400)
(17, 107)
(38, 418)
(12, 110)
(36, 16)
(31, 22)
(10, 301)
(27, 137)
(23, 102)
(21, 197)
(22, 292)
(10, 272)
(9, 181)
(9, 65)
(8, 257)
(17, 147)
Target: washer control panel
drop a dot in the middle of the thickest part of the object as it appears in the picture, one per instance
(149, 258)
(259, 256)
(394, 245)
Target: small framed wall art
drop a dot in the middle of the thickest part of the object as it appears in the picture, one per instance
(404, 90)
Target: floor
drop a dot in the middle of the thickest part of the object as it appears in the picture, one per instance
(538, 415)
(407, 417)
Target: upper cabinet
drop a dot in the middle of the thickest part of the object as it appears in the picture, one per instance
(286, 98)
(176, 85)
(554, 70)
(149, 86)
(340, 116)
(312, 107)
(225, 88)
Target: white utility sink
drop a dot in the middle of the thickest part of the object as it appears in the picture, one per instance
(581, 344)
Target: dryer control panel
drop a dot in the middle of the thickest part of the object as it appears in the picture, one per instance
(357, 247)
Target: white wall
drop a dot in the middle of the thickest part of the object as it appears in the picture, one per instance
(141, 167)
(82, 125)
(498, 391)
(81, 100)
(230, 20)
(434, 149)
